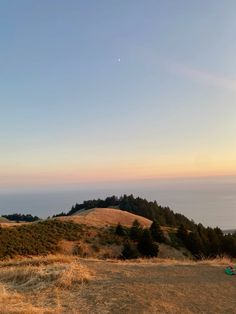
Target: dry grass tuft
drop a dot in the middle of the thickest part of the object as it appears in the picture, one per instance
(37, 261)
(219, 261)
(16, 303)
(42, 279)
(40, 273)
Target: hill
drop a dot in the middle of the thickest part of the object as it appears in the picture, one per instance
(101, 217)
(137, 206)
(59, 284)
(199, 240)
(3, 220)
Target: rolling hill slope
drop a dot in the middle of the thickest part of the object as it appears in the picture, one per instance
(100, 217)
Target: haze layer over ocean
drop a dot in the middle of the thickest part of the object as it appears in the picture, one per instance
(211, 201)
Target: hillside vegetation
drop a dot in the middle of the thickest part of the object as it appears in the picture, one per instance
(107, 232)
(137, 206)
(201, 241)
(56, 236)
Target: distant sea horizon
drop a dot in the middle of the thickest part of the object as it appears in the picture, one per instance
(211, 201)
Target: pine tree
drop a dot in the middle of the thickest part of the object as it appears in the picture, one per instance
(120, 230)
(194, 244)
(136, 230)
(156, 232)
(146, 245)
(182, 234)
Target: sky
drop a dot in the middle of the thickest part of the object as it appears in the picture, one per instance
(100, 91)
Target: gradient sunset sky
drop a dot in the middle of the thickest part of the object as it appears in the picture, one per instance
(116, 90)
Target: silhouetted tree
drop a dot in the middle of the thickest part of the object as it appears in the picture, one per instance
(182, 233)
(146, 245)
(156, 232)
(120, 230)
(194, 244)
(136, 230)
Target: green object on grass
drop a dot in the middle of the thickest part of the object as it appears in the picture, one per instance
(230, 270)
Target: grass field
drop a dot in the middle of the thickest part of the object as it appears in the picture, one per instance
(60, 284)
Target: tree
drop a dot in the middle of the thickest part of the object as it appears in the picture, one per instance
(156, 232)
(120, 230)
(146, 245)
(182, 233)
(194, 244)
(136, 230)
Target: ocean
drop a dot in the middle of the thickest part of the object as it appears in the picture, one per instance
(211, 201)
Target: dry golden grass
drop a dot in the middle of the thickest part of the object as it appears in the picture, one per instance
(9, 224)
(35, 285)
(101, 217)
(12, 303)
(218, 261)
(65, 284)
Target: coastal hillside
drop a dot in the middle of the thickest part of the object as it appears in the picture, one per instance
(115, 227)
(138, 206)
(201, 241)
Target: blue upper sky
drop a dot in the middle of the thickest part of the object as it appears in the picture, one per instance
(106, 90)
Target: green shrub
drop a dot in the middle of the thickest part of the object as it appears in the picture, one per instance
(129, 251)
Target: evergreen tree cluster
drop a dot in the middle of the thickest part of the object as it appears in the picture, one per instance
(21, 217)
(207, 242)
(139, 241)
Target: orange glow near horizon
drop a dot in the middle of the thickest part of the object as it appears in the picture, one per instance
(114, 171)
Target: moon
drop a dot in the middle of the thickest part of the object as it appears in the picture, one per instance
(118, 59)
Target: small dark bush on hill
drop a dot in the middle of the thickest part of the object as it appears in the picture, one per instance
(130, 251)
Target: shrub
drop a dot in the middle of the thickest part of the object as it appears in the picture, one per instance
(129, 251)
